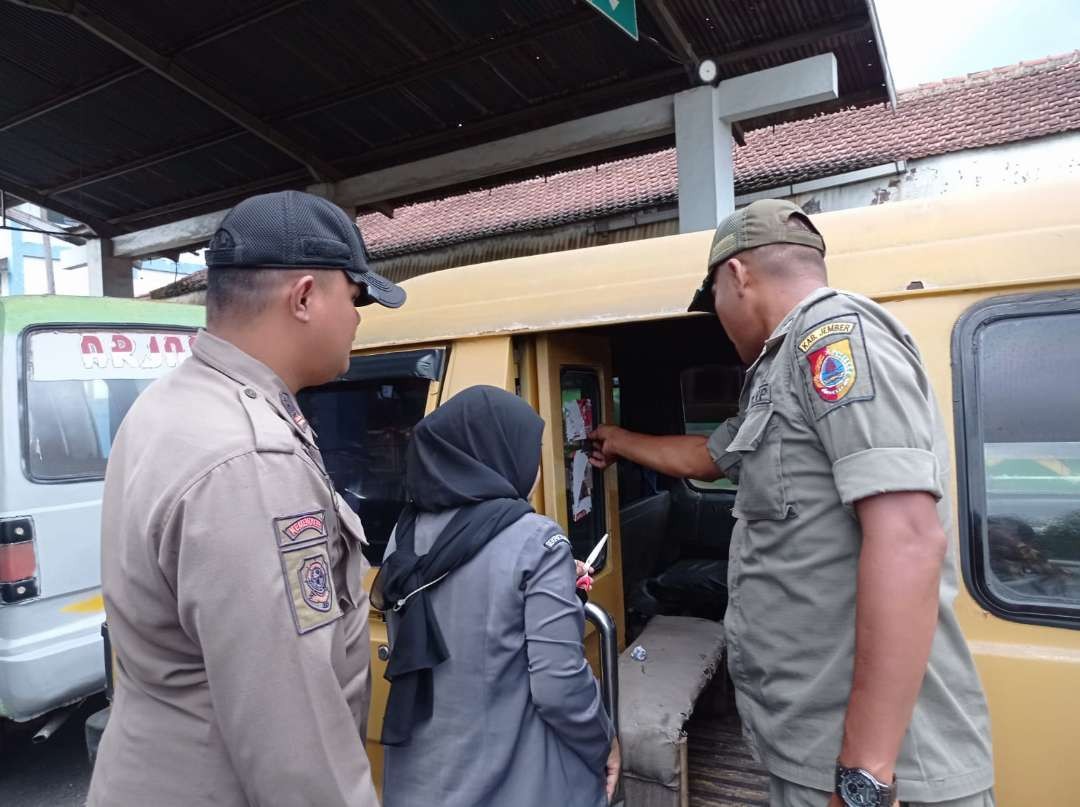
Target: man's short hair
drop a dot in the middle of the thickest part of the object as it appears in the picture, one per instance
(241, 293)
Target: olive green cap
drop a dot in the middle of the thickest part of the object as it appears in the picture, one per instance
(759, 223)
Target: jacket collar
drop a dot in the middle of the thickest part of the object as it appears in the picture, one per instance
(249, 372)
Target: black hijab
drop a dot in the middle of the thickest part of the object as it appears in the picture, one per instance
(479, 452)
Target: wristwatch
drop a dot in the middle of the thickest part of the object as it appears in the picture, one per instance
(859, 788)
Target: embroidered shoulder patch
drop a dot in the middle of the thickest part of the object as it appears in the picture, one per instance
(310, 586)
(301, 527)
(554, 541)
(832, 370)
(835, 363)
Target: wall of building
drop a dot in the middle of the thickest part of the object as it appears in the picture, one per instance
(1047, 158)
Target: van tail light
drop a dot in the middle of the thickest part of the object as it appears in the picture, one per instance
(18, 560)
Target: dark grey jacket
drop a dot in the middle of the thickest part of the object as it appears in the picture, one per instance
(518, 716)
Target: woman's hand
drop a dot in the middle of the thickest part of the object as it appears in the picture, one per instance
(612, 769)
(583, 574)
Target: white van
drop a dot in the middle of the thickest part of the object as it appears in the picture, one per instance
(70, 367)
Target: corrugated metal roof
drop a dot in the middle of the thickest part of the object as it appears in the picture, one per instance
(357, 86)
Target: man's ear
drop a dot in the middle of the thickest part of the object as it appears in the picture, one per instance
(300, 292)
(739, 273)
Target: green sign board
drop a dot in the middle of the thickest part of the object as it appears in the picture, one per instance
(621, 12)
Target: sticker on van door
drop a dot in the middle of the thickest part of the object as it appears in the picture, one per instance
(89, 355)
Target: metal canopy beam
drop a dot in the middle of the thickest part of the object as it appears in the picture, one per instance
(440, 64)
(643, 121)
(145, 162)
(844, 28)
(28, 194)
(84, 90)
(169, 70)
(672, 31)
(70, 97)
(607, 130)
(740, 97)
(385, 154)
(264, 185)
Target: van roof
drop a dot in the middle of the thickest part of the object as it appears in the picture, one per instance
(20, 311)
(1022, 235)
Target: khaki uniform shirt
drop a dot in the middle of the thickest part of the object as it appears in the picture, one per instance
(837, 408)
(232, 582)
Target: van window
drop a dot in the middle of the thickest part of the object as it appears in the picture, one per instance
(79, 384)
(364, 422)
(1023, 458)
(710, 395)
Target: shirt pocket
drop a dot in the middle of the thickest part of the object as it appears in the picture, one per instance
(356, 565)
(761, 493)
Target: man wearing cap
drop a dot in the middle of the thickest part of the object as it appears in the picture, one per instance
(852, 677)
(231, 570)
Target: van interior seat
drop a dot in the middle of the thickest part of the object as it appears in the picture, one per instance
(657, 697)
(643, 526)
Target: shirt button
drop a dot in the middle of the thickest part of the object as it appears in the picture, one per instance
(251, 393)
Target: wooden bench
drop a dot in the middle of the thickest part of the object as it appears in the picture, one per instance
(656, 698)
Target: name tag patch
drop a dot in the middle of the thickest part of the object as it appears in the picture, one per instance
(301, 527)
(821, 331)
(554, 541)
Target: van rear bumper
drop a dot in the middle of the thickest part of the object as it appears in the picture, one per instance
(49, 669)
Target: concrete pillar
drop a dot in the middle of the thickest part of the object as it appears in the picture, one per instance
(706, 170)
(109, 276)
(703, 118)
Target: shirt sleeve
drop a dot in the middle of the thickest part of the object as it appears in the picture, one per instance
(255, 592)
(727, 461)
(563, 688)
(866, 392)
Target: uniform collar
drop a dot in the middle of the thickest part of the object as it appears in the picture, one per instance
(784, 327)
(249, 372)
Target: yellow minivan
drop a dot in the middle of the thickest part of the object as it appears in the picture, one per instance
(989, 286)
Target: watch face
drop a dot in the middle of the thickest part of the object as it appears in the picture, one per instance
(858, 791)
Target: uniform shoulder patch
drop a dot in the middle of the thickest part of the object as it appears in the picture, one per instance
(301, 527)
(554, 541)
(309, 583)
(835, 363)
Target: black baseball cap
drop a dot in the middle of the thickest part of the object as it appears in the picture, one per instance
(294, 230)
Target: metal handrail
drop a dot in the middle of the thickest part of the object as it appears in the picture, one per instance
(609, 659)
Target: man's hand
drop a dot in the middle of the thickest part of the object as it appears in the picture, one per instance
(604, 452)
(683, 456)
(613, 768)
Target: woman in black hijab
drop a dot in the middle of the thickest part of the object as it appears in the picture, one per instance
(491, 699)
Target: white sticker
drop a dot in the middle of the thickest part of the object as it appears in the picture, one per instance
(573, 422)
(581, 486)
